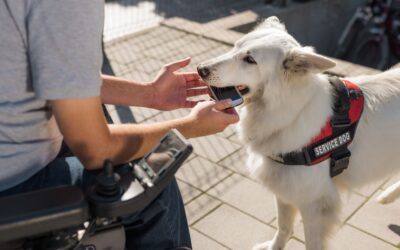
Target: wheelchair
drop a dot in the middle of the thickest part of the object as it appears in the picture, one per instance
(66, 218)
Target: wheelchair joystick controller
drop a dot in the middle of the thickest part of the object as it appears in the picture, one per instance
(107, 183)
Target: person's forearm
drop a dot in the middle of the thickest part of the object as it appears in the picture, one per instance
(132, 141)
(119, 91)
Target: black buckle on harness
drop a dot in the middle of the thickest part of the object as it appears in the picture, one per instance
(340, 122)
(339, 162)
(307, 156)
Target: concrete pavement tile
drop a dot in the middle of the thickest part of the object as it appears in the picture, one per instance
(191, 26)
(143, 41)
(383, 221)
(174, 21)
(199, 207)
(166, 33)
(198, 46)
(201, 242)
(135, 44)
(295, 245)
(188, 192)
(210, 53)
(213, 147)
(225, 36)
(228, 132)
(163, 53)
(369, 189)
(202, 173)
(123, 53)
(119, 68)
(350, 203)
(349, 238)
(233, 228)
(235, 138)
(148, 65)
(234, 20)
(247, 196)
(237, 163)
(171, 47)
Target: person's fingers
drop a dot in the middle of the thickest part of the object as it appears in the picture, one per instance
(221, 105)
(195, 83)
(190, 76)
(196, 92)
(233, 116)
(174, 66)
(231, 111)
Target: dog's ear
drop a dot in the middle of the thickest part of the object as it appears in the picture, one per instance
(271, 22)
(303, 60)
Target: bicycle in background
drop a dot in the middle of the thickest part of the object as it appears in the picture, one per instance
(372, 36)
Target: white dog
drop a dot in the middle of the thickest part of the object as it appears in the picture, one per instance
(290, 102)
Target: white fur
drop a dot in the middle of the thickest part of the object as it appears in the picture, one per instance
(291, 101)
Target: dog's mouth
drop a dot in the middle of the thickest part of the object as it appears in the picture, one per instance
(243, 89)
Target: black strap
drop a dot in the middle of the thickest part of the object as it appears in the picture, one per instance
(341, 105)
(340, 123)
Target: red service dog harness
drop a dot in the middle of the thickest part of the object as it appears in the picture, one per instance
(338, 133)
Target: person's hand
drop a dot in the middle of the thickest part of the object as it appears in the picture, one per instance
(211, 117)
(171, 89)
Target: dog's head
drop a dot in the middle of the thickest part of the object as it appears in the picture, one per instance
(263, 60)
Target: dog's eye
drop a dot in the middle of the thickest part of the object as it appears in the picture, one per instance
(249, 60)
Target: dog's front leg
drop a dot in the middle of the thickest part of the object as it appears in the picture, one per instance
(286, 215)
(319, 219)
(312, 228)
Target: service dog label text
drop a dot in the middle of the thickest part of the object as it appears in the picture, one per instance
(332, 144)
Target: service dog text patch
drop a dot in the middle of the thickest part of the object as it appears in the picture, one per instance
(332, 144)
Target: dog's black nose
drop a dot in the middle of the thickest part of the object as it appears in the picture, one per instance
(203, 72)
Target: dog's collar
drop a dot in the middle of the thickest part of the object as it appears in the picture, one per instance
(338, 133)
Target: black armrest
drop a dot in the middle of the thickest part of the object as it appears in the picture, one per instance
(41, 211)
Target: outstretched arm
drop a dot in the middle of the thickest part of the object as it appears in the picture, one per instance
(169, 90)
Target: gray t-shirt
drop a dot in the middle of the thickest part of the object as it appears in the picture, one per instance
(49, 49)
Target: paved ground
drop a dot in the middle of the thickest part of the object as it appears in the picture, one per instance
(226, 208)
(126, 16)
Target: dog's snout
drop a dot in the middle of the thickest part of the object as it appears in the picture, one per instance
(204, 72)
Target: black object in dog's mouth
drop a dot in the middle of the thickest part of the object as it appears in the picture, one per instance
(243, 89)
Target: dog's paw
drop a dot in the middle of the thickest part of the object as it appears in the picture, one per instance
(264, 246)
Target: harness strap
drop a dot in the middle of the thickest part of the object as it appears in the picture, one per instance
(341, 131)
(340, 123)
(341, 104)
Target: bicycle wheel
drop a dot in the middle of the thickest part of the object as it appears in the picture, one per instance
(348, 37)
(371, 50)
